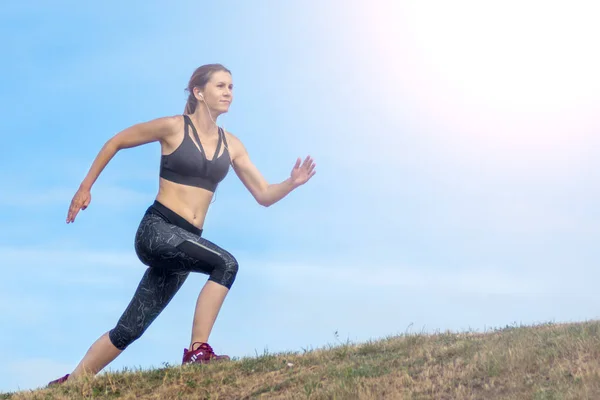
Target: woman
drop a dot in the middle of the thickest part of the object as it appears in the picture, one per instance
(196, 155)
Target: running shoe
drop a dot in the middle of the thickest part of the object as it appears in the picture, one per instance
(202, 355)
(59, 380)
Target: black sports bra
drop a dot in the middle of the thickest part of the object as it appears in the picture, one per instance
(189, 166)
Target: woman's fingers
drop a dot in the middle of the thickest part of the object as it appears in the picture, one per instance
(308, 161)
(80, 202)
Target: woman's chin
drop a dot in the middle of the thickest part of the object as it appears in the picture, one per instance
(223, 109)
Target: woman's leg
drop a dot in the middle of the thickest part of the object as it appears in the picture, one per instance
(208, 306)
(172, 253)
(99, 355)
(221, 266)
(155, 290)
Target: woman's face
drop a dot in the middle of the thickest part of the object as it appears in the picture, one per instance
(218, 92)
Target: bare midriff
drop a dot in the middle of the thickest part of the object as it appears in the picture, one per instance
(190, 202)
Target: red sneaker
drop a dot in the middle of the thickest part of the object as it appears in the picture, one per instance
(202, 355)
(59, 380)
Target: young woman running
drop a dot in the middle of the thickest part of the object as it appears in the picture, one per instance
(196, 154)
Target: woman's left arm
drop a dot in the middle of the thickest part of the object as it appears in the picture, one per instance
(266, 194)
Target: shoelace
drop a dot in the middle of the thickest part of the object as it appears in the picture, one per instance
(209, 349)
(204, 346)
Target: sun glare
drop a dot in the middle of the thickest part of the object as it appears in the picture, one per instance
(511, 56)
(524, 68)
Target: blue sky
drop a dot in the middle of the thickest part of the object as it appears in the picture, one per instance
(456, 187)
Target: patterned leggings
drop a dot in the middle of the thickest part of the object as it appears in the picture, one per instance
(172, 248)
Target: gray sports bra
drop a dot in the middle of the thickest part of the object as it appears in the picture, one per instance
(189, 166)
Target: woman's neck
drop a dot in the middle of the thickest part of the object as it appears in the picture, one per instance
(203, 122)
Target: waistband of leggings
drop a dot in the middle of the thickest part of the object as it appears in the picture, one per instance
(173, 218)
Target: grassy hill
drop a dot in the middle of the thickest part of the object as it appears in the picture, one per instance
(548, 361)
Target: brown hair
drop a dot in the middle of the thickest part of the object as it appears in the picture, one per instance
(199, 79)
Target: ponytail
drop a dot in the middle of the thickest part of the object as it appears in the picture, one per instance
(190, 105)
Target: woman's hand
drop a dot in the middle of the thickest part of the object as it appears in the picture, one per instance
(302, 173)
(80, 202)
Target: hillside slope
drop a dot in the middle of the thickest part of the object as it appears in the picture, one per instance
(549, 361)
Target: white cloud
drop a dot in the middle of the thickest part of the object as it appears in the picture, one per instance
(23, 198)
(466, 280)
(17, 255)
(112, 196)
(54, 274)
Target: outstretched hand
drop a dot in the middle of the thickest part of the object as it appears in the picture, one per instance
(302, 173)
(80, 202)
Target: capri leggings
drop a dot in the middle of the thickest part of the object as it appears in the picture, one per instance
(172, 248)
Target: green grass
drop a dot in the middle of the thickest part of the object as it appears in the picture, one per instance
(547, 361)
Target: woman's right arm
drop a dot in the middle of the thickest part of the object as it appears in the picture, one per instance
(136, 135)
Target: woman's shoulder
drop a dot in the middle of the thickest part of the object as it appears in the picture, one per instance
(231, 138)
(169, 125)
(174, 120)
(234, 145)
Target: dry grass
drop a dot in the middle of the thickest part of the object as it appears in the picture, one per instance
(543, 362)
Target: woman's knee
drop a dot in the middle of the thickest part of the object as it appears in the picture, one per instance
(226, 272)
(121, 338)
